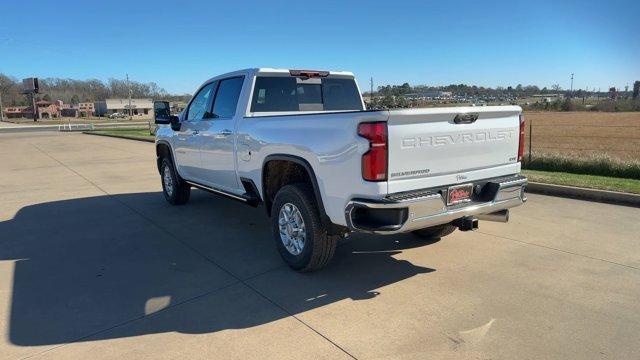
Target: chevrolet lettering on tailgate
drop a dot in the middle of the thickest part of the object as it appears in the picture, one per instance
(442, 140)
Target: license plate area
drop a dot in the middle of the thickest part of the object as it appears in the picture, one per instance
(459, 194)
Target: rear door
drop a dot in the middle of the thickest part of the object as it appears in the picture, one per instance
(218, 137)
(442, 146)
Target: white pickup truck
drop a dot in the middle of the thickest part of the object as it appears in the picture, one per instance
(301, 144)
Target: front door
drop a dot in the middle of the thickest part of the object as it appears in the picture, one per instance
(188, 139)
(218, 138)
(186, 149)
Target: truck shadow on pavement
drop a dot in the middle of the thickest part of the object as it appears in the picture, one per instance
(126, 265)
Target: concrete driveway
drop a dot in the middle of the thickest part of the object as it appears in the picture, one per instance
(95, 264)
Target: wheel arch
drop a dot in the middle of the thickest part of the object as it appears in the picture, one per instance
(268, 194)
(298, 161)
(163, 148)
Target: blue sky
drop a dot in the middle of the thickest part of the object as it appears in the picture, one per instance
(180, 44)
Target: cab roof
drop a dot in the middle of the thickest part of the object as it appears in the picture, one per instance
(265, 70)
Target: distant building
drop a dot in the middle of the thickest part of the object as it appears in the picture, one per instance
(548, 97)
(69, 110)
(48, 109)
(430, 94)
(13, 112)
(86, 109)
(140, 108)
(177, 106)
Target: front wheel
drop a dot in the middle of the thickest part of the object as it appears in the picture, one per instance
(176, 191)
(302, 240)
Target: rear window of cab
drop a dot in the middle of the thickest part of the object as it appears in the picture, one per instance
(281, 93)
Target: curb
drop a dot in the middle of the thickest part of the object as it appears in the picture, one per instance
(603, 196)
(128, 137)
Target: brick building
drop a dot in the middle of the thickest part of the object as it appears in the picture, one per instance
(86, 109)
(13, 112)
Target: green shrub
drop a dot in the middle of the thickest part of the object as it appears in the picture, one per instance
(617, 105)
(567, 105)
(578, 105)
(592, 165)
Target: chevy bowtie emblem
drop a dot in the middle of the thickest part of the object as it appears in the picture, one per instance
(465, 118)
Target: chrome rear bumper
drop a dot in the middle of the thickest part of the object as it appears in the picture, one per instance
(407, 212)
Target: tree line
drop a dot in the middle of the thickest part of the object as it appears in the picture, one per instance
(75, 91)
(464, 89)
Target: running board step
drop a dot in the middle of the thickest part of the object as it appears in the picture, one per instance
(247, 198)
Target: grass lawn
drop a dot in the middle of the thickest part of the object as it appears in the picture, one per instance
(587, 181)
(125, 133)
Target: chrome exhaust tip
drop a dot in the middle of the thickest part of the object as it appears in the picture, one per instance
(498, 216)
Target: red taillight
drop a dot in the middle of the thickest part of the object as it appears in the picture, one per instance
(374, 161)
(521, 142)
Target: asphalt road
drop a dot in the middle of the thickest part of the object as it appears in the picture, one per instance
(95, 264)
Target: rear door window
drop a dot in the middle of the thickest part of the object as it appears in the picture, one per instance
(285, 93)
(224, 106)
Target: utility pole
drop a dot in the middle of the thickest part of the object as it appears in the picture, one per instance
(1, 110)
(626, 91)
(371, 93)
(129, 86)
(572, 85)
(34, 106)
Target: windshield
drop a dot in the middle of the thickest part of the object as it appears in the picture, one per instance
(277, 94)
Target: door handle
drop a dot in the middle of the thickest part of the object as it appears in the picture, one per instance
(226, 132)
(195, 132)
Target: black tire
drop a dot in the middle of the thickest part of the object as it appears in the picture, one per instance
(435, 232)
(179, 191)
(319, 247)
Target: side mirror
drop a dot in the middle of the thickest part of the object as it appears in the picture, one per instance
(162, 115)
(162, 112)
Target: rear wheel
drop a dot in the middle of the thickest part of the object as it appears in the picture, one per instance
(302, 240)
(176, 191)
(435, 232)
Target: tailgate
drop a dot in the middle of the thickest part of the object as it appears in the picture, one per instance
(431, 147)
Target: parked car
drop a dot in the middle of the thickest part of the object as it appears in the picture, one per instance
(117, 116)
(300, 144)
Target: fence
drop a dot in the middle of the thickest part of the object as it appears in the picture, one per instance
(105, 126)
